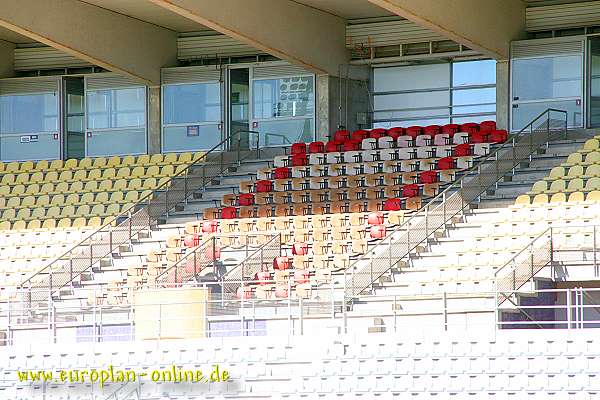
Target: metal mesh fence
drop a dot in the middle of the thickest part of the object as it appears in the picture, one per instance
(191, 265)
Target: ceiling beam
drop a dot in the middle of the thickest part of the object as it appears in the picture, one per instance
(285, 29)
(487, 26)
(110, 40)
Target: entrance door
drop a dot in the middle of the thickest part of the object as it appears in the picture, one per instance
(239, 107)
(594, 82)
(74, 117)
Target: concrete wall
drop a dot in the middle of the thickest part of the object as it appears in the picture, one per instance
(154, 120)
(7, 59)
(503, 94)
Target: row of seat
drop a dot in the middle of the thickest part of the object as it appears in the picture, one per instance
(565, 186)
(70, 211)
(74, 199)
(52, 223)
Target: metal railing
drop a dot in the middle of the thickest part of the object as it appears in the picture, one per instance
(123, 228)
(453, 200)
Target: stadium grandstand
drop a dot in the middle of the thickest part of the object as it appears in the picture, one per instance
(299, 199)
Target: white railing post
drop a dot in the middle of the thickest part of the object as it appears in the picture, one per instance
(568, 302)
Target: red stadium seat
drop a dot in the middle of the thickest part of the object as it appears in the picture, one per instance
(246, 199)
(300, 249)
(299, 160)
(375, 218)
(302, 277)
(341, 135)
(352, 145)
(378, 232)
(487, 126)
(392, 205)
(411, 190)
(281, 263)
(451, 129)
(396, 132)
(229, 213)
(334, 146)
(377, 133)
(210, 226)
(264, 186)
(282, 173)
(414, 131)
(498, 136)
(469, 127)
(463, 150)
(316, 147)
(211, 254)
(191, 240)
(446, 163)
(262, 277)
(477, 137)
(243, 293)
(429, 177)
(360, 135)
(432, 130)
(299, 148)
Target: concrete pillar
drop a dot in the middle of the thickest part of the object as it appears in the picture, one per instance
(322, 107)
(7, 59)
(154, 120)
(503, 94)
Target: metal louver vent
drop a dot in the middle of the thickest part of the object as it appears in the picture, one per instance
(212, 46)
(191, 74)
(109, 81)
(28, 85)
(389, 33)
(39, 58)
(272, 71)
(561, 16)
(546, 47)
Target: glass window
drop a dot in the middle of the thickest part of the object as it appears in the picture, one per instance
(469, 101)
(547, 78)
(414, 77)
(116, 108)
(283, 98)
(470, 73)
(192, 103)
(29, 113)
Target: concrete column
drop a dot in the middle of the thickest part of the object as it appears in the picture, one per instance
(503, 94)
(7, 59)
(154, 120)
(322, 107)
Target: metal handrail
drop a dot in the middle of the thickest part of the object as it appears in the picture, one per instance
(442, 197)
(144, 204)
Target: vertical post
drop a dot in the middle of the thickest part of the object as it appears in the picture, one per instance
(445, 310)
(496, 310)
(568, 302)
(242, 310)
(594, 249)
(185, 186)
(332, 300)
(214, 255)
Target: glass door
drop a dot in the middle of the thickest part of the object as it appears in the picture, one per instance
(594, 82)
(74, 117)
(239, 107)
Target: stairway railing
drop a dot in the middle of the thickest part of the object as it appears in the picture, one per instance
(120, 230)
(453, 200)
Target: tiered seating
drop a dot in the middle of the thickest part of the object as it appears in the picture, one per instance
(331, 201)
(81, 193)
(578, 175)
(25, 252)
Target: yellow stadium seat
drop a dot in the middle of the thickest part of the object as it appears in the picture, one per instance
(170, 158)
(592, 158)
(540, 199)
(137, 172)
(101, 198)
(2, 166)
(43, 201)
(39, 213)
(132, 197)
(152, 171)
(4, 191)
(556, 173)
(593, 196)
(26, 166)
(79, 175)
(185, 158)
(592, 184)
(53, 212)
(538, 187)
(32, 188)
(142, 160)
(97, 210)
(575, 185)
(590, 145)
(128, 161)
(95, 222)
(558, 198)
(99, 162)
(121, 184)
(72, 198)
(9, 214)
(13, 202)
(18, 190)
(2, 202)
(83, 210)
(67, 211)
(114, 161)
(576, 197)
(34, 224)
(8, 179)
(37, 177)
(57, 200)
(22, 178)
(167, 170)
(124, 172)
(70, 164)
(12, 166)
(156, 159)
(135, 184)
(113, 209)
(19, 226)
(4, 225)
(592, 171)
(180, 168)
(23, 213)
(558, 185)
(109, 173)
(64, 223)
(94, 175)
(163, 181)
(573, 159)
(149, 183)
(145, 195)
(28, 201)
(105, 185)
(65, 176)
(87, 198)
(76, 187)
(56, 165)
(86, 163)
(79, 222)
(51, 177)
(49, 223)
(91, 186)
(115, 197)
(47, 188)
(42, 165)
(575, 171)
